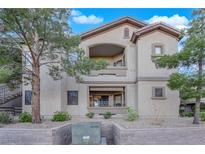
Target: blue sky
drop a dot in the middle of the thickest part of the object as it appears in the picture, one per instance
(83, 20)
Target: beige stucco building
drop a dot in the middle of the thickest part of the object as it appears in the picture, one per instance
(131, 79)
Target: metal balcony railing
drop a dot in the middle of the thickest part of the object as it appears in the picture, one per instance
(106, 104)
(6, 94)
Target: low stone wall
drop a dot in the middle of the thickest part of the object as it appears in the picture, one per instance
(158, 136)
(56, 135)
(107, 131)
(62, 135)
(114, 133)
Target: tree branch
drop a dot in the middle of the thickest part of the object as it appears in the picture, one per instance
(50, 62)
(44, 35)
(24, 36)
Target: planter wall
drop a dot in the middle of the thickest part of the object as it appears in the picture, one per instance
(158, 136)
(56, 135)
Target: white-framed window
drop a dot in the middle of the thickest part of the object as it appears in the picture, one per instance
(126, 33)
(157, 49)
(158, 92)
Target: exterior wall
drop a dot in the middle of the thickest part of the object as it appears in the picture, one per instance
(149, 76)
(147, 106)
(145, 54)
(50, 94)
(81, 108)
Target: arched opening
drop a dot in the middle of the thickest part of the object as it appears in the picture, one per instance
(113, 54)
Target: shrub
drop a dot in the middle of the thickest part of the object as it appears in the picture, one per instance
(90, 115)
(107, 115)
(202, 116)
(187, 114)
(131, 114)
(25, 117)
(202, 108)
(5, 118)
(61, 116)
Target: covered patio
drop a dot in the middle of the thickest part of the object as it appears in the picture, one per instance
(103, 99)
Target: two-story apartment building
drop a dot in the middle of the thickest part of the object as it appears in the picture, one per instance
(131, 79)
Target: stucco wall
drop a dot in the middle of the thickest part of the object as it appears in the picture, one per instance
(150, 76)
(81, 108)
(50, 94)
(147, 106)
(146, 67)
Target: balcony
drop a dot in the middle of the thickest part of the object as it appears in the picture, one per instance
(114, 55)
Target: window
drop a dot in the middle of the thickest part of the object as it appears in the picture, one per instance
(28, 97)
(126, 33)
(72, 97)
(157, 49)
(158, 92)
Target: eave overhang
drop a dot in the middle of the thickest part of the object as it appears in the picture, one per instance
(152, 27)
(111, 25)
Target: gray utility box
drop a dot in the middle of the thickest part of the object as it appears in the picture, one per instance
(86, 133)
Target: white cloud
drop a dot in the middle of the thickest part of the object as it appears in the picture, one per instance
(91, 19)
(177, 21)
(80, 18)
(75, 12)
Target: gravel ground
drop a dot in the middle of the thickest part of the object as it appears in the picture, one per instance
(159, 123)
(43, 125)
(138, 124)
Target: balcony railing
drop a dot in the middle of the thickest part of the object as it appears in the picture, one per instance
(6, 94)
(107, 104)
(110, 70)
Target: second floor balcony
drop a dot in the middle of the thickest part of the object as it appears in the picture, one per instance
(114, 55)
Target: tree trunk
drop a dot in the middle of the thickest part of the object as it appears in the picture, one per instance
(36, 95)
(199, 88)
(197, 111)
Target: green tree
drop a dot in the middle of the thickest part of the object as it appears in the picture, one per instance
(42, 37)
(10, 67)
(190, 81)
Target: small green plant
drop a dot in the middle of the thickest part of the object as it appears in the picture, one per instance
(90, 115)
(25, 117)
(187, 114)
(107, 115)
(131, 114)
(61, 116)
(5, 118)
(202, 116)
